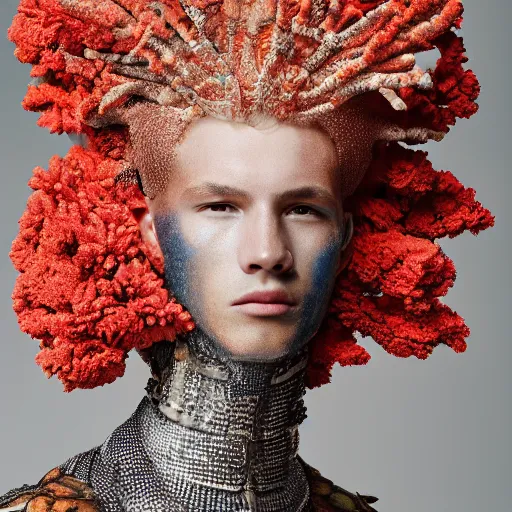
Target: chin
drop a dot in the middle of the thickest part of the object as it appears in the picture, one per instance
(259, 349)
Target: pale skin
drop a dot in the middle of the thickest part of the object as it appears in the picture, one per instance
(251, 210)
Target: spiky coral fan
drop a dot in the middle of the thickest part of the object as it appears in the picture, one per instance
(89, 288)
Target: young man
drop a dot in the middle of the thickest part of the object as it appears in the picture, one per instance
(250, 128)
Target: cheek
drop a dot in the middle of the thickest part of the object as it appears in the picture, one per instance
(196, 256)
(178, 256)
(323, 275)
(316, 300)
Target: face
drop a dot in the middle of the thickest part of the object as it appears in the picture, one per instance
(251, 227)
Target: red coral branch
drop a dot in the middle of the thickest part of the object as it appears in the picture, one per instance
(88, 285)
(454, 93)
(391, 288)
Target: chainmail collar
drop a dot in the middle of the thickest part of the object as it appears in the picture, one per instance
(204, 356)
(232, 427)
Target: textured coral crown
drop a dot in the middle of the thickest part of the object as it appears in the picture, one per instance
(291, 59)
(91, 291)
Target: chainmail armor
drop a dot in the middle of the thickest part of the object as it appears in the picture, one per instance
(213, 434)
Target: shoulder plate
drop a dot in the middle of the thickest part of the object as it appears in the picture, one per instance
(328, 497)
(55, 492)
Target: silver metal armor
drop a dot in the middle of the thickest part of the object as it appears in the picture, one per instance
(213, 434)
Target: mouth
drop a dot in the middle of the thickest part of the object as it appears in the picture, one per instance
(265, 303)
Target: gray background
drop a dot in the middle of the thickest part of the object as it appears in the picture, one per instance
(420, 435)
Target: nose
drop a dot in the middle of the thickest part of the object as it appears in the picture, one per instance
(264, 245)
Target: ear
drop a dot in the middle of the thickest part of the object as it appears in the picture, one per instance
(346, 248)
(148, 232)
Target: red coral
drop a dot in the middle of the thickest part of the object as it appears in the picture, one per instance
(91, 290)
(453, 95)
(88, 287)
(391, 288)
(333, 344)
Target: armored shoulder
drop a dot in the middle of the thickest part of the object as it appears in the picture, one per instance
(55, 492)
(328, 497)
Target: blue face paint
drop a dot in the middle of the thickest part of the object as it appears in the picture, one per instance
(177, 256)
(179, 271)
(317, 299)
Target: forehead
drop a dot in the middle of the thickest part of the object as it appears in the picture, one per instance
(267, 157)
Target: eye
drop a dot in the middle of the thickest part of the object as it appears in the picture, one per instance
(303, 210)
(218, 208)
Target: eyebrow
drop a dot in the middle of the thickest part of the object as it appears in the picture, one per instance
(308, 192)
(209, 188)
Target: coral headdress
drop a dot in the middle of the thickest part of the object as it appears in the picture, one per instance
(91, 290)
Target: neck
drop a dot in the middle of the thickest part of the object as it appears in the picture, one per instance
(230, 428)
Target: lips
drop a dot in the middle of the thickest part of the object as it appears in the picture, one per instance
(265, 297)
(265, 303)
